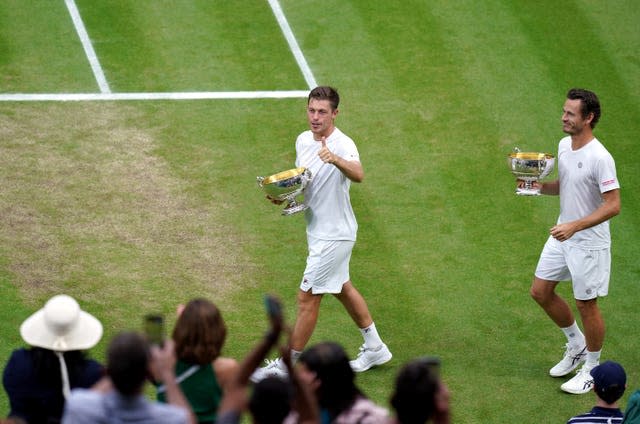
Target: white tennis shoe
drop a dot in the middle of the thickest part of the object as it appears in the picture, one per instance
(573, 357)
(368, 358)
(581, 383)
(275, 368)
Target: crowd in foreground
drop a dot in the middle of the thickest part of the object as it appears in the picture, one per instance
(53, 380)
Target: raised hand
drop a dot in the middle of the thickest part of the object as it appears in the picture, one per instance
(325, 154)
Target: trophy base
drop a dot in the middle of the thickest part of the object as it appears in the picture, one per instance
(294, 208)
(527, 192)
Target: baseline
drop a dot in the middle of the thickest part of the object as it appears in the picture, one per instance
(198, 95)
(106, 94)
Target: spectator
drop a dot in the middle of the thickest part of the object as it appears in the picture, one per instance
(273, 399)
(38, 379)
(119, 398)
(632, 413)
(420, 396)
(609, 383)
(325, 368)
(199, 335)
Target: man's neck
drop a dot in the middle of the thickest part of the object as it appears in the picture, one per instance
(326, 134)
(580, 140)
(601, 403)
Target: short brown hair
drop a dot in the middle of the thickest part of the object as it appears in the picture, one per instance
(325, 93)
(199, 333)
(589, 103)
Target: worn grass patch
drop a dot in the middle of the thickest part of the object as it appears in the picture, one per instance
(87, 208)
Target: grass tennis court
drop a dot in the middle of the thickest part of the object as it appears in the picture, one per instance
(133, 206)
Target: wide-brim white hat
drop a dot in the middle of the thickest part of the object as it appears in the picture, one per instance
(61, 326)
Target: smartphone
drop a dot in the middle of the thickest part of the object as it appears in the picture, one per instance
(272, 306)
(154, 328)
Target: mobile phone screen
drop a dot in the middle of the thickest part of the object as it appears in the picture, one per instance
(154, 328)
(272, 307)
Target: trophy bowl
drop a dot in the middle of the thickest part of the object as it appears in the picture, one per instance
(530, 167)
(286, 186)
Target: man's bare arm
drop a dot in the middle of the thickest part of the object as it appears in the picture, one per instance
(609, 208)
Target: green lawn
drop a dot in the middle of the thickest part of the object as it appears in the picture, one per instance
(136, 206)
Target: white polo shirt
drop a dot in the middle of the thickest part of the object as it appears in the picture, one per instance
(330, 215)
(584, 175)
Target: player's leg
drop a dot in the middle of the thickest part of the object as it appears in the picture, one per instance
(593, 323)
(552, 267)
(590, 272)
(594, 331)
(316, 280)
(306, 319)
(373, 351)
(355, 305)
(314, 277)
(544, 293)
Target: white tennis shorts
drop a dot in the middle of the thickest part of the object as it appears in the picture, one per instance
(327, 265)
(588, 270)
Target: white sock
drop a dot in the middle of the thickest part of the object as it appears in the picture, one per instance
(371, 338)
(295, 354)
(574, 335)
(593, 358)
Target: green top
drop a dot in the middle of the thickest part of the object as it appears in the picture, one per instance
(632, 414)
(200, 387)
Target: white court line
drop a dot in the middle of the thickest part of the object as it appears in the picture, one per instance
(293, 44)
(106, 94)
(195, 95)
(88, 48)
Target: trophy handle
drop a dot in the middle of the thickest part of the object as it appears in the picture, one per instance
(306, 177)
(294, 207)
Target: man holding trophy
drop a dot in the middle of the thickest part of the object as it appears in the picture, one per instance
(578, 248)
(333, 161)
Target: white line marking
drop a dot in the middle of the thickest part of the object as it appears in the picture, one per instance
(196, 95)
(88, 48)
(106, 94)
(293, 44)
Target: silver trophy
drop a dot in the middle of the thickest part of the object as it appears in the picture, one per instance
(286, 186)
(530, 167)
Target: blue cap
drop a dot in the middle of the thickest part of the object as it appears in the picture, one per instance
(609, 380)
(608, 374)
